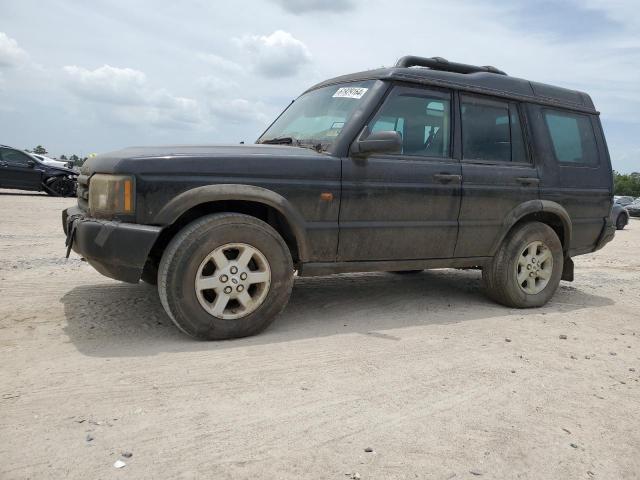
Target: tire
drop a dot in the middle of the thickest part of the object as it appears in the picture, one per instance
(621, 221)
(193, 256)
(60, 187)
(501, 277)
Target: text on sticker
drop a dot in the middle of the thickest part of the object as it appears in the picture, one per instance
(350, 92)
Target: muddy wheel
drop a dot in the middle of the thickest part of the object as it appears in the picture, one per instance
(527, 268)
(225, 276)
(621, 221)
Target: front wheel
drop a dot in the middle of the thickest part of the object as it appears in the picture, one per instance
(60, 187)
(225, 276)
(527, 268)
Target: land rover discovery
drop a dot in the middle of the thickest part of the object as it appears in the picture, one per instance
(427, 164)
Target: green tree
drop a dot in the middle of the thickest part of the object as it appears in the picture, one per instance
(63, 157)
(624, 184)
(40, 150)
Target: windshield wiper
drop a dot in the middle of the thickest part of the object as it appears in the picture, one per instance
(290, 141)
(279, 141)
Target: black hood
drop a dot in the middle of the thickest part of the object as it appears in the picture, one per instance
(51, 170)
(181, 158)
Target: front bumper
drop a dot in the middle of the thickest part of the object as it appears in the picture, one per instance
(116, 250)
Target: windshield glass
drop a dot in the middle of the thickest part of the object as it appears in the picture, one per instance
(317, 118)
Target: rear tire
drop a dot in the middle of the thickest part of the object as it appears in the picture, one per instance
(621, 221)
(225, 276)
(527, 268)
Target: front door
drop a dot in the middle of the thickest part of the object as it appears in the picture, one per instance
(496, 169)
(18, 170)
(404, 206)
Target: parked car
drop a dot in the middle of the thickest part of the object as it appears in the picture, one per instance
(623, 200)
(634, 208)
(428, 164)
(20, 170)
(50, 161)
(619, 216)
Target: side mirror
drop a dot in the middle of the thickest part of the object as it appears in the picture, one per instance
(31, 163)
(378, 142)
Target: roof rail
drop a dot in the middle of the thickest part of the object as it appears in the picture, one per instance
(439, 63)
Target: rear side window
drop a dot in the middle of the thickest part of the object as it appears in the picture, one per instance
(491, 131)
(572, 137)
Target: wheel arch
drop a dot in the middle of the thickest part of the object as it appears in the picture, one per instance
(544, 211)
(250, 200)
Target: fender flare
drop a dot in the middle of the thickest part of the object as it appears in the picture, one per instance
(238, 192)
(536, 206)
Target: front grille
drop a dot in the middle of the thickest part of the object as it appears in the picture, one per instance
(83, 192)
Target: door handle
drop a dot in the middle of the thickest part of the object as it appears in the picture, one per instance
(447, 178)
(528, 180)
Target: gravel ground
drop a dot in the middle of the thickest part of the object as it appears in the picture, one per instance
(423, 370)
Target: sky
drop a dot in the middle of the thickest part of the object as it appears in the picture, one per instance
(87, 77)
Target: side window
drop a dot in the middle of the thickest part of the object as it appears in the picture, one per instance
(572, 137)
(13, 157)
(422, 118)
(491, 130)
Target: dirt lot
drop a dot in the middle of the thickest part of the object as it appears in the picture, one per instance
(438, 381)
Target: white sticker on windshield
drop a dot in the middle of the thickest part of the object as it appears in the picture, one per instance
(350, 92)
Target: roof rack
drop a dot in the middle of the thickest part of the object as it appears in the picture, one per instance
(439, 63)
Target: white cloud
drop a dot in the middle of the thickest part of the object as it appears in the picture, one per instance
(277, 55)
(219, 63)
(215, 85)
(303, 6)
(238, 110)
(108, 84)
(127, 92)
(11, 55)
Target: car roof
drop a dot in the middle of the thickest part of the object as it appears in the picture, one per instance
(484, 80)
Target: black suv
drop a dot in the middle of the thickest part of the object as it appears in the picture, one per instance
(427, 164)
(20, 170)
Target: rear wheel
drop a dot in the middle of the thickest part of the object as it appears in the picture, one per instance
(621, 221)
(225, 276)
(527, 268)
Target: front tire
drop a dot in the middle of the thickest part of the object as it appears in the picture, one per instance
(527, 268)
(225, 276)
(60, 187)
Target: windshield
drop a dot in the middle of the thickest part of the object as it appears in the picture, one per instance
(317, 118)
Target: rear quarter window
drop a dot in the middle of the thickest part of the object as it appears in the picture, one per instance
(572, 138)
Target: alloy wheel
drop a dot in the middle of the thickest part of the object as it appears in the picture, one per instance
(233, 281)
(534, 267)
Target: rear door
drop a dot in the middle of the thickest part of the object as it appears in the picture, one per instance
(404, 206)
(497, 171)
(577, 171)
(18, 170)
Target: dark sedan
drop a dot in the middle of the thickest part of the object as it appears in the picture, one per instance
(23, 171)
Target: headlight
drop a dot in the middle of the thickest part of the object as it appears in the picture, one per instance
(111, 195)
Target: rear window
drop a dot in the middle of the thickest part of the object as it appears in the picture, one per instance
(491, 131)
(572, 136)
